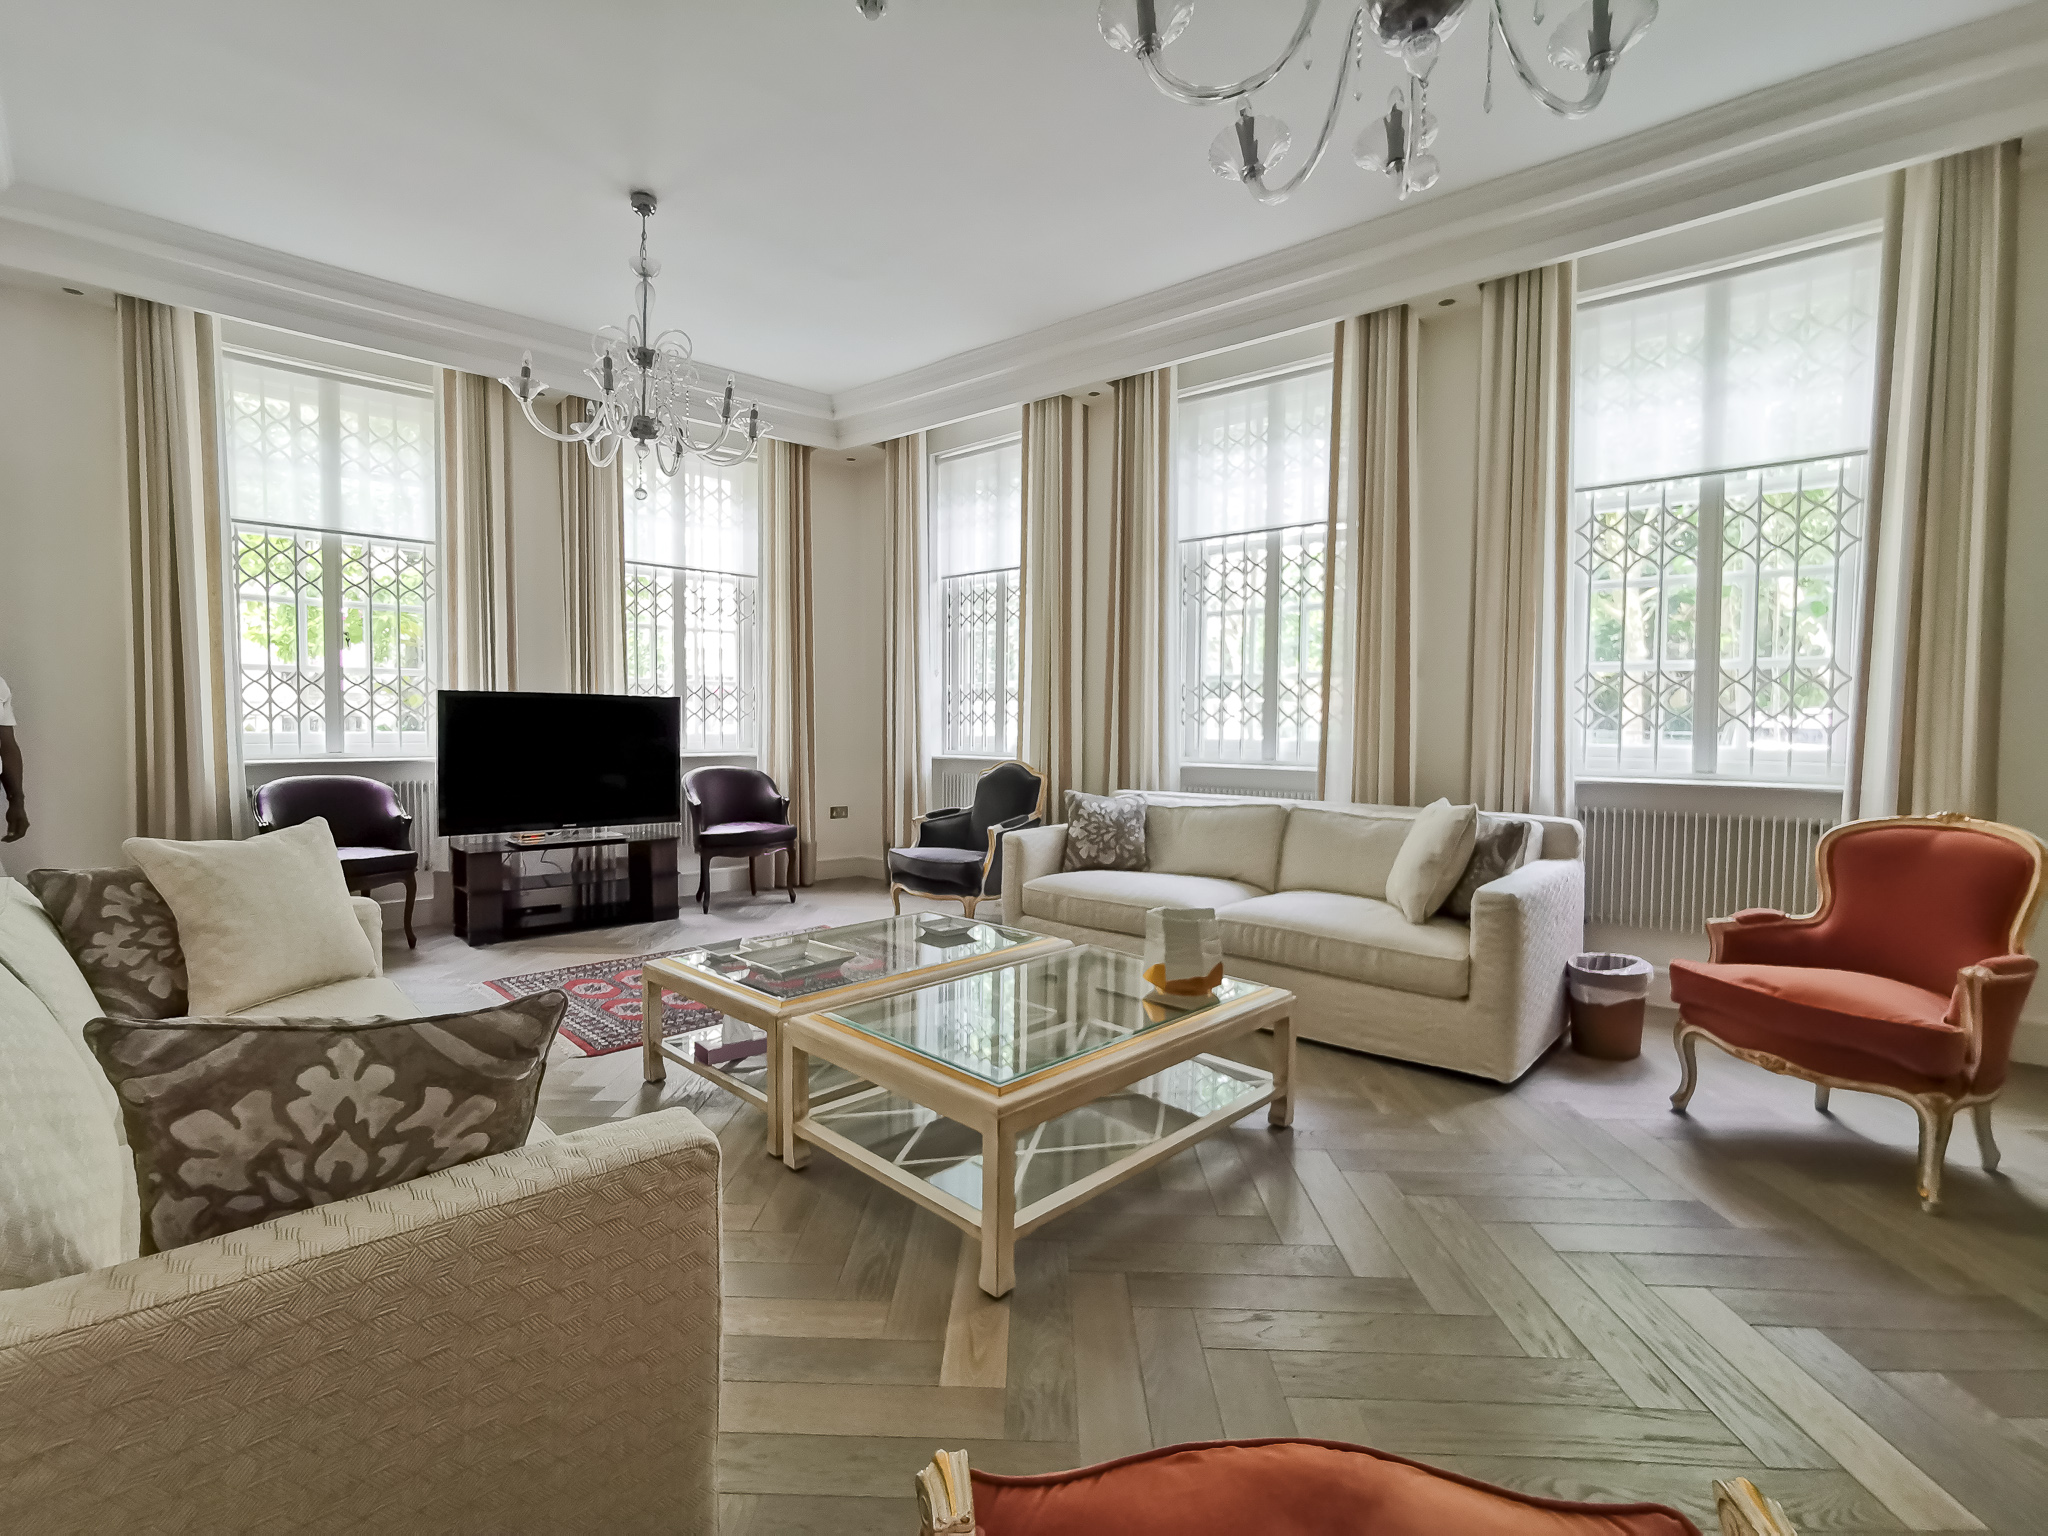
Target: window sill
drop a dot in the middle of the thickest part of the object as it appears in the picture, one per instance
(1708, 781)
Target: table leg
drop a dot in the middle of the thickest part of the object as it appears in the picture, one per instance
(1280, 1113)
(772, 1085)
(998, 1209)
(652, 1003)
(790, 1081)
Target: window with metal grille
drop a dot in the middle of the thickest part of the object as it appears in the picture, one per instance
(977, 534)
(693, 601)
(1252, 497)
(334, 530)
(1720, 451)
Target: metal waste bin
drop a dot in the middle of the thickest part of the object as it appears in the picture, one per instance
(1607, 995)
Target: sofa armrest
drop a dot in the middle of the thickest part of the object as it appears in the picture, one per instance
(371, 915)
(526, 1342)
(1525, 926)
(1027, 855)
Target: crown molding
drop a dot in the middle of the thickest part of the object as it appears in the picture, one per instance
(78, 240)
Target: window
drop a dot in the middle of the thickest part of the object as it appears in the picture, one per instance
(977, 537)
(1720, 452)
(1253, 488)
(333, 524)
(693, 601)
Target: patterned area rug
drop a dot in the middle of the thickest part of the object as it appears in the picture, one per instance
(604, 1000)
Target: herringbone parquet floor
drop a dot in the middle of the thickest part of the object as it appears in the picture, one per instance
(1561, 1287)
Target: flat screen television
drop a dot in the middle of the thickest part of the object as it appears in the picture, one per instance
(531, 762)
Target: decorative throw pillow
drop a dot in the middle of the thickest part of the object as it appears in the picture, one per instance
(1104, 831)
(1502, 845)
(1432, 856)
(121, 933)
(233, 1122)
(258, 919)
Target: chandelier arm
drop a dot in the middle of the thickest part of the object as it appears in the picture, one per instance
(602, 451)
(545, 430)
(1194, 95)
(1273, 194)
(1597, 77)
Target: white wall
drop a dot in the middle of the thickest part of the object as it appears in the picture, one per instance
(64, 573)
(847, 570)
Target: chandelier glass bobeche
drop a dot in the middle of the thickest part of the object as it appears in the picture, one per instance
(1584, 47)
(647, 392)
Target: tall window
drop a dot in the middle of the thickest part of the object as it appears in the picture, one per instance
(693, 601)
(1253, 489)
(330, 487)
(1720, 454)
(977, 535)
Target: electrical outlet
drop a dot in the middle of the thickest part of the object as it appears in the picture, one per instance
(839, 813)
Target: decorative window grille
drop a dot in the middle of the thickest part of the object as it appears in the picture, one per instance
(1721, 452)
(977, 530)
(333, 526)
(1253, 497)
(693, 602)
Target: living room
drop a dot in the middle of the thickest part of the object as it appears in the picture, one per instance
(1108, 835)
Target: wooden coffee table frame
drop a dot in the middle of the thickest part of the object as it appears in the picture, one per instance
(999, 1115)
(768, 1014)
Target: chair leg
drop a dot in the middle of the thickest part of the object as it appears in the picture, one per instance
(896, 899)
(412, 890)
(704, 883)
(1980, 1115)
(1689, 1069)
(789, 872)
(1820, 1097)
(1937, 1117)
(752, 888)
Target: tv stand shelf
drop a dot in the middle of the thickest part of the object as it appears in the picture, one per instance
(495, 899)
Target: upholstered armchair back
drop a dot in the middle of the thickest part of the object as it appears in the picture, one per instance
(1005, 792)
(720, 795)
(361, 813)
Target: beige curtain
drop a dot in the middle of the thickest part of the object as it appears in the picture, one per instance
(1928, 728)
(593, 562)
(187, 769)
(904, 751)
(476, 531)
(1517, 739)
(1054, 684)
(1136, 740)
(1368, 749)
(789, 739)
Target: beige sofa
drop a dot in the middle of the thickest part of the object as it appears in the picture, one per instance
(527, 1342)
(1300, 889)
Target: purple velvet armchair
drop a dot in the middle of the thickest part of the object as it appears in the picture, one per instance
(738, 813)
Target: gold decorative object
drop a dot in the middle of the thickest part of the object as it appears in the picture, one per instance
(1744, 1510)
(945, 1495)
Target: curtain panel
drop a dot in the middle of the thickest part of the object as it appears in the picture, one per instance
(1054, 685)
(905, 748)
(1136, 740)
(187, 760)
(1516, 758)
(789, 722)
(476, 531)
(593, 561)
(1368, 749)
(1927, 732)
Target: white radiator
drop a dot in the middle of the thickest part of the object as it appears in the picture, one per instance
(415, 791)
(953, 780)
(1675, 869)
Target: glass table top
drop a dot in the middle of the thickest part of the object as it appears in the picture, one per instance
(802, 964)
(1004, 1025)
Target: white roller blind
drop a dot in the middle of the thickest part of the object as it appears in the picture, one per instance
(1255, 456)
(977, 510)
(703, 518)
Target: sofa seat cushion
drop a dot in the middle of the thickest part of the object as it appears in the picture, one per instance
(1116, 900)
(1845, 1023)
(360, 863)
(1354, 937)
(952, 868)
(360, 997)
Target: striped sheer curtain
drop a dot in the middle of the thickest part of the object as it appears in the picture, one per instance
(1055, 683)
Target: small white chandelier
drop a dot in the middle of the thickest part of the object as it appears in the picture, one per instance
(1586, 43)
(647, 392)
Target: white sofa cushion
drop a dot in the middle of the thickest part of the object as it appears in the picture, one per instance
(1432, 857)
(1350, 852)
(1238, 843)
(1354, 937)
(360, 997)
(1116, 900)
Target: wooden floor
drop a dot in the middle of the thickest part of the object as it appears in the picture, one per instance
(1561, 1287)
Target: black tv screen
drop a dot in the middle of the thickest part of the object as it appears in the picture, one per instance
(527, 762)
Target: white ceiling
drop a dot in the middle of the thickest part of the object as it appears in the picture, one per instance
(842, 200)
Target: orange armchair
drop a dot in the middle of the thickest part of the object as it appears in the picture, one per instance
(1908, 981)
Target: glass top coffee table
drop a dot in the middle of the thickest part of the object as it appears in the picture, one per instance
(1062, 1050)
(758, 983)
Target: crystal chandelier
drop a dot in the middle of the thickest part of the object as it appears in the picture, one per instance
(1586, 43)
(647, 392)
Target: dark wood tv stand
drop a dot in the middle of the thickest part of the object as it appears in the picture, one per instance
(495, 898)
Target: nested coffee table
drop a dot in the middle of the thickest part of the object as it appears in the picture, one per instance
(1062, 1050)
(758, 983)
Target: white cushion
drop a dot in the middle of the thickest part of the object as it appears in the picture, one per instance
(258, 919)
(1348, 851)
(1116, 900)
(361, 997)
(1354, 937)
(1223, 842)
(1432, 857)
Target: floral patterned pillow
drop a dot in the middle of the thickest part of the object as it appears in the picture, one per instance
(121, 933)
(1504, 845)
(233, 1122)
(1104, 831)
